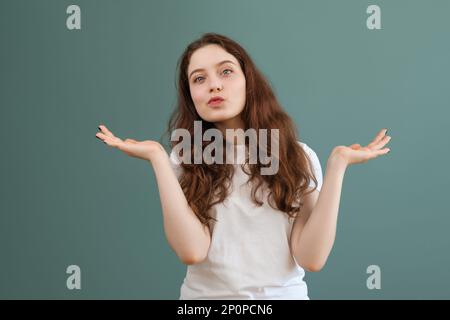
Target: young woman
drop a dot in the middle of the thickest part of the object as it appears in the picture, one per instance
(243, 235)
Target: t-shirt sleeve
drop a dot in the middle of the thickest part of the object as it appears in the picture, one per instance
(316, 167)
(175, 162)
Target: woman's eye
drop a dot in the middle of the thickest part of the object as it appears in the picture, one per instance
(199, 79)
(196, 79)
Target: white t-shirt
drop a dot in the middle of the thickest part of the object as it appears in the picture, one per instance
(249, 256)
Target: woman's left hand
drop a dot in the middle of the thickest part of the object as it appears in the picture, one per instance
(356, 154)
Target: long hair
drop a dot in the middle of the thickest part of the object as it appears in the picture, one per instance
(205, 185)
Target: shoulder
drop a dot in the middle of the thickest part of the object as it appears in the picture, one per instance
(309, 151)
(312, 155)
(314, 163)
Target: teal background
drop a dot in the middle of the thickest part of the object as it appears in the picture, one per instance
(66, 198)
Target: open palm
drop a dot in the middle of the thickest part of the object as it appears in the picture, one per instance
(137, 149)
(355, 153)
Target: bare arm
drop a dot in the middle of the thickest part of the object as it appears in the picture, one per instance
(186, 235)
(314, 231)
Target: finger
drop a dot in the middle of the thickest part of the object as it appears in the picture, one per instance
(114, 142)
(111, 141)
(376, 153)
(105, 130)
(378, 137)
(130, 140)
(101, 136)
(104, 137)
(381, 143)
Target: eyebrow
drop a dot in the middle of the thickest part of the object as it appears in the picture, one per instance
(220, 63)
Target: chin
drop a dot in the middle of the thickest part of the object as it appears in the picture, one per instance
(216, 116)
(214, 119)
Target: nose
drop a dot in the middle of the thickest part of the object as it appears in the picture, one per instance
(216, 85)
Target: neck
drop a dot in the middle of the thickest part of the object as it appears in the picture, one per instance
(235, 123)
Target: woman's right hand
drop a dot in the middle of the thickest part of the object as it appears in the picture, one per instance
(145, 150)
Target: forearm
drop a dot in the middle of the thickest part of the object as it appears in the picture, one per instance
(317, 238)
(187, 236)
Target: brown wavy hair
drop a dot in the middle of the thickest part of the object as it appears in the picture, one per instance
(206, 185)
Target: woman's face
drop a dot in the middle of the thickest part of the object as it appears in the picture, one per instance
(213, 72)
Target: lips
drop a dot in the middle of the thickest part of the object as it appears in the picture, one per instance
(215, 100)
